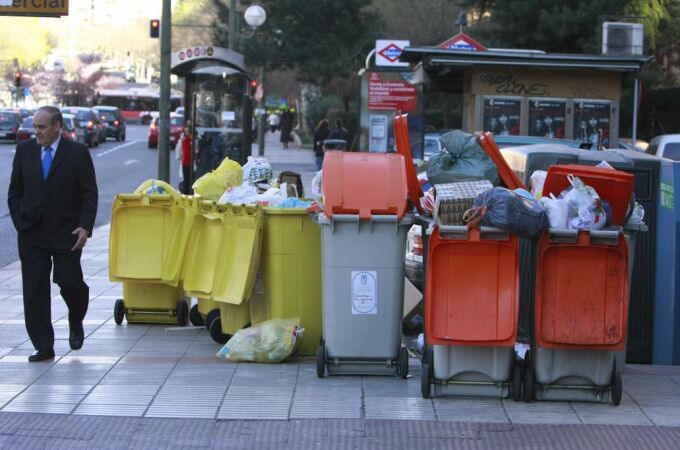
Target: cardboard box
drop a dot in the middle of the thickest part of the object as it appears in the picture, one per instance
(453, 199)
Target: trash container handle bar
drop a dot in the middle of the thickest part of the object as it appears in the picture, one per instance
(463, 232)
(603, 237)
(145, 199)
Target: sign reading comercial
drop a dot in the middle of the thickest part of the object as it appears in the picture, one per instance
(38, 8)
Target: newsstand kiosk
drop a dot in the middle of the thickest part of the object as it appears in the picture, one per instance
(217, 101)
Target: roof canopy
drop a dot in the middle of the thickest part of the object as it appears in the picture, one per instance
(190, 60)
(432, 57)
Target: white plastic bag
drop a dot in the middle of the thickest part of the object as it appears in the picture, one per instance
(558, 211)
(537, 181)
(585, 206)
(316, 185)
(257, 169)
(638, 215)
(239, 194)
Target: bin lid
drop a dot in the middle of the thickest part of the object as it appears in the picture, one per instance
(581, 297)
(613, 186)
(472, 289)
(364, 183)
(415, 191)
(508, 177)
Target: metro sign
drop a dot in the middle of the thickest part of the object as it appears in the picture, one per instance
(387, 52)
(462, 41)
(391, 52)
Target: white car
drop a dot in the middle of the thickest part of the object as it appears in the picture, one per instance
(665, 146)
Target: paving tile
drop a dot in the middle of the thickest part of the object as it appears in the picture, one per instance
(184, 411)
(627, 413)
(313, 403)
(456, 409)
(98, 409)
(43, 408)
(82, 359)
(541, 413)
(255, 407)
(399, 408)
(663, 415)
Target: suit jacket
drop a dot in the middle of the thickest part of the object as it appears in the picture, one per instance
(66, 200)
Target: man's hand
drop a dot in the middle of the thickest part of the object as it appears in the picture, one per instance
(82, 238)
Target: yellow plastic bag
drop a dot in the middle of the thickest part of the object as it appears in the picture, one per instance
(152, 186)
(271, 341)
(231, 171)
(212, 185)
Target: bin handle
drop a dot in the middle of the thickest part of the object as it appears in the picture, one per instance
(128, 198)
(602, 237)
(462, 232)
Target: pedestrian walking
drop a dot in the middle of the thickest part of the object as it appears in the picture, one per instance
(320, 134)
(52, 199)
(339, 132)
(286, 124)
(273, 121)
(186, 148)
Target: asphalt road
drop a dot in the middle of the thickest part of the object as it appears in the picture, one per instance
(120, 167)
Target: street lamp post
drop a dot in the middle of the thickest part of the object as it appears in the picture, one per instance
(255, 16)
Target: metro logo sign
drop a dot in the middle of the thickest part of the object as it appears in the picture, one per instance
(387, 52)
(391, 53)
(462, 41)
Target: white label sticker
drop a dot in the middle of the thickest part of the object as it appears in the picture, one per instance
(365, 292)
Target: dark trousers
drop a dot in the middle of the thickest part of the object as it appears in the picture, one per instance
(37, 255)
(185, 186)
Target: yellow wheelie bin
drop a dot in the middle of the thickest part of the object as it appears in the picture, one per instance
(140, 240)
(235, 270)
(288, 281)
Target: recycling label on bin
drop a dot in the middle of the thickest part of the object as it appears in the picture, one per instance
(365, 292)
(667, 196)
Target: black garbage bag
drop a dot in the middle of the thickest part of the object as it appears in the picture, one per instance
(461, 160)
(512, 212)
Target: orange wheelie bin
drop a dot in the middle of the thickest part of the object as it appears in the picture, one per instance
(581, 298)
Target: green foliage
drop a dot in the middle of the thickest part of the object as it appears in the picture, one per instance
(319, 40)
(29, 48)
(570, 26)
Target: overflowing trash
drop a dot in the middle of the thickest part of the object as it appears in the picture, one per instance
(151, 187)
(271, 341)
(509, 211)
(461, 160)
(213, 184)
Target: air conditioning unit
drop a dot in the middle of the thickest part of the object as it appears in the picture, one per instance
(622, 38)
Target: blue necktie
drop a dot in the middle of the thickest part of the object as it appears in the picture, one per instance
(47, 162)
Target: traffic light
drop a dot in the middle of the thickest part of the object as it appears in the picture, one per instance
(154, 28)
(253, 84)
(17, 79)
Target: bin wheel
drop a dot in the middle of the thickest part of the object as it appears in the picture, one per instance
(517, 384)
(216, 331)
(195, 317)
(425, 381)
(182, 314)
(402, 363)
(528, 394)
(119, 311)
(617, 387)
(212, 315)
(321, 359)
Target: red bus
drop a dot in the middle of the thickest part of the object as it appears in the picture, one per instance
(137, 103)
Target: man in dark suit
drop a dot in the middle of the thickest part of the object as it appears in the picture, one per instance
(53, 203)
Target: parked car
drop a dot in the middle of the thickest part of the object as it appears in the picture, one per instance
(26, 130)
(10, 122)
(665, 146)
(72, 129)
(113, 120)
(87, 119)
(180, 111)
(176, 127)
(627, 144)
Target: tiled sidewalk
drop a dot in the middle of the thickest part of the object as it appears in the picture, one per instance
(171, 372)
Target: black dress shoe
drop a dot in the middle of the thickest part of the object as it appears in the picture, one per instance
(76, 336)
(41, 355)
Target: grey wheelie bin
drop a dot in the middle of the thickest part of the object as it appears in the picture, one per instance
(363, 239)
